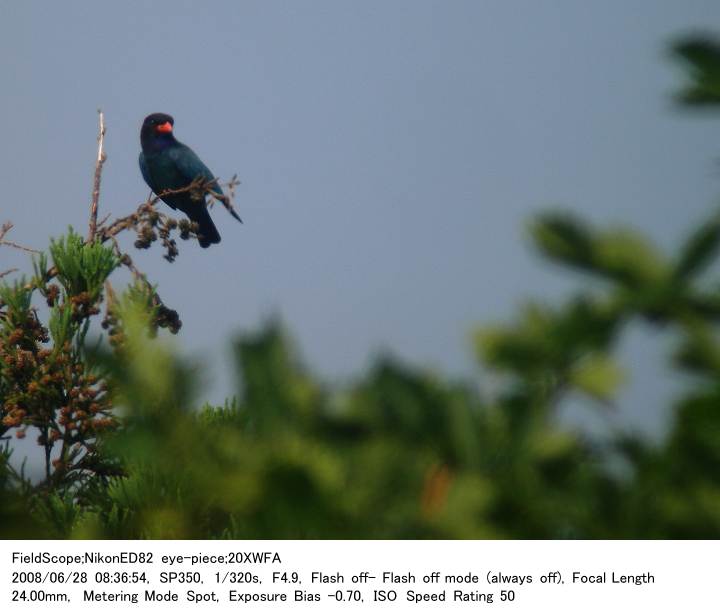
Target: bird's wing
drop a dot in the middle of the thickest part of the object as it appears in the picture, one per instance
(145, 171)
(189, 165)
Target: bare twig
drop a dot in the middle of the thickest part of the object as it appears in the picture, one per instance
(127, 262)
(10, 271)
(4, 229)
(225, 200)
(96, 179)
(19, 247)
(104, 220)
(168, 316)
(126, 222)
(52, 272)
(198, 186)
(3, 242)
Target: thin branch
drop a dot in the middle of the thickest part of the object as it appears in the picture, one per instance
(130, 220)
(4, 229)
(125, 222)
(127, 262)
(19, 247)
(198, 186)
(10, 271)
(96, 179)
(104, 220)
(225, 200)
(3, 242)
(169, 316)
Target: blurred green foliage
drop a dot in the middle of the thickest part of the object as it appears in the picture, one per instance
(400, 452)
(702, 57)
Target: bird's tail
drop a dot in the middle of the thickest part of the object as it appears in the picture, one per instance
(207, 233)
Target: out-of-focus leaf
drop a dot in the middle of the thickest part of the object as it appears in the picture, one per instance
(598, 376)
(702, 55)
(699, 350)
(621, 255)
(565, 239)
(629, 258)
(699, 250)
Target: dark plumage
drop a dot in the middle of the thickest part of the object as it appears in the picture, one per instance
(167, 164)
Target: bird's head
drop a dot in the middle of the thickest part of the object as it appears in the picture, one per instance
(157, 130)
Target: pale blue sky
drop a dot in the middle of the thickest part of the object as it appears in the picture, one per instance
(391, 154)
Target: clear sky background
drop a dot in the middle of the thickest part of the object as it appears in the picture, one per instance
(391, 154)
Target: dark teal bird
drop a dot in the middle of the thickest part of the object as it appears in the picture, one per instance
(167, 164)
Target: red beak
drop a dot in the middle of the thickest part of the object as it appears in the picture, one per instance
(164, 128)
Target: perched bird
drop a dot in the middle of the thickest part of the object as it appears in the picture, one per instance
(167, 164)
